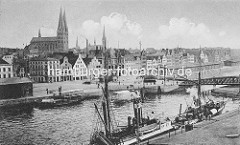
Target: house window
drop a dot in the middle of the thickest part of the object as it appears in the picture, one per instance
(9, 75)
(4, 69)
(4, 75)
(9, 69)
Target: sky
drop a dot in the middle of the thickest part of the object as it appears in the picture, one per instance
(156, 23)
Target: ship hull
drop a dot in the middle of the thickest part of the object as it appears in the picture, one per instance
(58, 103)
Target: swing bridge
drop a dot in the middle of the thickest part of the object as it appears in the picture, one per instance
(224, 80)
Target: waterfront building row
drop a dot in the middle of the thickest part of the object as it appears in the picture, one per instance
(68, 67)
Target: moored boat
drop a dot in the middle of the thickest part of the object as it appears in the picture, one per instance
(200, 110)
(124, 96)
(139, 128)
(58, 101)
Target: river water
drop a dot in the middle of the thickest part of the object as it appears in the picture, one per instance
(74, 124)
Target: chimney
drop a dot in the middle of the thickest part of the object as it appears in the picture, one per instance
(87, 46)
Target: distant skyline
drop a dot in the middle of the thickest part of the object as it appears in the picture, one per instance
(158, 24)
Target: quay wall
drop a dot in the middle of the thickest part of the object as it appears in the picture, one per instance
(83, 93)
(214, 132)
(230, 92)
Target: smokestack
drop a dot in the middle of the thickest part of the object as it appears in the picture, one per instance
(87, 46)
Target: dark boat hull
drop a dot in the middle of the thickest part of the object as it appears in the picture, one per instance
(185, 116)
(49, 105)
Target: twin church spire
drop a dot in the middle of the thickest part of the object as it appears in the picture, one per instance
(62, 23)
(62, 31)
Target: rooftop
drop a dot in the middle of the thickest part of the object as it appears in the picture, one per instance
(87, 60)
(44, 59)
(41, 39)
(3, 62)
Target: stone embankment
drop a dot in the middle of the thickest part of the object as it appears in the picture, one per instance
(220, 130)
(230, 92)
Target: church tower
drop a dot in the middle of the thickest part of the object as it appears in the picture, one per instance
(39, 33)
(62, 32)
(104, 40)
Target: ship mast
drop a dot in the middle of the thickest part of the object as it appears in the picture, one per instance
(106, 103)
(199, 88)
(199, 79)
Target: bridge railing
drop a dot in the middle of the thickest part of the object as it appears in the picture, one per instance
(228, 80)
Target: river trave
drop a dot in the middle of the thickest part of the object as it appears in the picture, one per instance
(74, 124)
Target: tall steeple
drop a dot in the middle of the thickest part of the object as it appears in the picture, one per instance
(104, 36)
(39, 33)
(65, 22)
(60, 21)
(104, 39)
(77, 43)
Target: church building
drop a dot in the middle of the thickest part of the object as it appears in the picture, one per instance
(44, 45)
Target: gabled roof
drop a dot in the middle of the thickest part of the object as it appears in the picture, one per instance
(112, 53)
(87, 60)
(143, 52)
(184, 54)
(195, 52)
(43, 59)
(42, 39)
(72, 58)
(122, 51)
(152, 57)
(129, 58)
(3, 61)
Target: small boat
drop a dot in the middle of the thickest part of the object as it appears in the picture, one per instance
(124, 96)
(232, 135)
(58, 101)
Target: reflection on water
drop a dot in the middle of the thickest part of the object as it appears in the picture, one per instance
(73, 124)
(11, 112)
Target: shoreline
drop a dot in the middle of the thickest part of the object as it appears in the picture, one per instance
(212, 131)
(230, 92)
(86, 92)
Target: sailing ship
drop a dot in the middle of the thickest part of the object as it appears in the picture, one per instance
(138, 128)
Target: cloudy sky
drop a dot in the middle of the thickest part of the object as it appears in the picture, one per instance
(156, 23)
